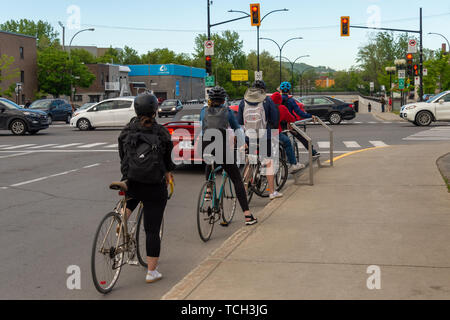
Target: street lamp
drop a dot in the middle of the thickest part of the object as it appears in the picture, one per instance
(448, 43)
(63, 35)
(257, 28)
(390, 71)
(70, 58)
(292, 69)
(281, 48)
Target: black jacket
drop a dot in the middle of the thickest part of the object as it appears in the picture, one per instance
(166, 139)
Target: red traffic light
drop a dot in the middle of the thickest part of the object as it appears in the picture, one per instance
(409, 56)
(255, 14)
(345, 26)
(344, 20)
(254, 8)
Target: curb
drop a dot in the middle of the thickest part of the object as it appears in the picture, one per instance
(444, 172)
(192, 280)
(383, 119)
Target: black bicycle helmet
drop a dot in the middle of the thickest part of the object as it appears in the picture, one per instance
(146, 105)
(217, 94)
(259, 84)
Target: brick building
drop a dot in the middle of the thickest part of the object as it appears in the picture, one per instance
(24, 51)
(111, 81)
(168, 81)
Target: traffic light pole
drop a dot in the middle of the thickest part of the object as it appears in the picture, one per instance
(420, 32)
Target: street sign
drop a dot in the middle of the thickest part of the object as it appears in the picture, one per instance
(258, 75)
(401, 84)
(210, 81)
(401, 74)
(209, 48)
(239, 75)
(412, 46)
(425, 72)
(372, 86)
(416, 81)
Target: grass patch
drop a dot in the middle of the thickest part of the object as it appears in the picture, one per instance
(396, 112)
(447, 183)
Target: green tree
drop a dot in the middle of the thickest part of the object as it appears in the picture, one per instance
(111, 56)
(270, 68)
(6, 74)
(56, 73)
(131, 56)
(438, 78)
(42, 30)
(83, 56)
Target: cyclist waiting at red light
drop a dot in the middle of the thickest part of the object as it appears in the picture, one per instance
(285, 119)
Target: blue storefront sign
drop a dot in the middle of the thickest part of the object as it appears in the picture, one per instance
(177, 88)
(166, 70)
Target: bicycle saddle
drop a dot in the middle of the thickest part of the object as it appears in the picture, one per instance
(122, 186)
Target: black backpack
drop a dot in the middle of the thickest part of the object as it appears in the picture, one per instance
(144, 156)
(216, 118)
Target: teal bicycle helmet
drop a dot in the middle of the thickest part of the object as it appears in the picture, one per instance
(285, 87)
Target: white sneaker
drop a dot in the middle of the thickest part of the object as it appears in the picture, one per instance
(296, 167)
(153, 276)
(276, 195)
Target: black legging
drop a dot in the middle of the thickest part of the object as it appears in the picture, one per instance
(300, 138)
(154, 198)
(235, 175)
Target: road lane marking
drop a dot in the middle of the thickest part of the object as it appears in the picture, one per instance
(112, 146)
(354, 152)
(18, 147)
(44, 146)
(378, 143)
(5, 145)
(67, 145)
(52, 176)
(87, 146)
(15, 155)
(324, 144)
(351, 144)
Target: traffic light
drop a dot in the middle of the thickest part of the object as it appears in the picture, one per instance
(416, 70)
(255, 14)
(208, 65)
(409, 64)
(345, 26)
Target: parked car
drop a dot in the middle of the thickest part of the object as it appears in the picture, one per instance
(20, 120)
(115, 112)
(424, 113)
(328, 108)
(170, 107)
(56, 109)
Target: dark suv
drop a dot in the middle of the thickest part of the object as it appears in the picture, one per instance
(170, 107)
(20, 121)
(56, 109)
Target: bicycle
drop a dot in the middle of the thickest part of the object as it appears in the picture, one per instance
(213, 206)
(118, 241)
(257, 183)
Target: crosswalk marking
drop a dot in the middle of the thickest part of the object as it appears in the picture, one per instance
(351, 144)
(87, 146)
(112, 146)
(434, 134)
(324, 144)
(5, 145)
(378, 143)
(18, 147)
(67, 145)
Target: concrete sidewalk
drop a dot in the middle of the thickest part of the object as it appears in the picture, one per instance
(388, 116)
(387, 207)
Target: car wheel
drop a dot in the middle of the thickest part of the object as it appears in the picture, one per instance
(50, 120)
(18, 127)
(424, 118)
(335, 118)
(69, 116)
(83, 124)
(33, 132)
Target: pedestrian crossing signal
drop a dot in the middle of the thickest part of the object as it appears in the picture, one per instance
(255, 14)
(416, 70)
(345, 26)
(208, 61)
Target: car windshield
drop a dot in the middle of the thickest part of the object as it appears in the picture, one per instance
(437, 97)
(85, 106)
(169, 103)
(10, 104)
(40, 105)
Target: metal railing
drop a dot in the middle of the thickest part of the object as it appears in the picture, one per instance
(296, 127)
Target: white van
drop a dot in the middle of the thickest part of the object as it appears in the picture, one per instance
(115, 112)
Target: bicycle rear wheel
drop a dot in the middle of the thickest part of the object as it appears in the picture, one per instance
(205, 213)
(107, 253)
(282, 175)
(228, 201)
(141, 238)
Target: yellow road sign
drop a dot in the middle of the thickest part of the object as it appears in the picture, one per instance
(239, 75)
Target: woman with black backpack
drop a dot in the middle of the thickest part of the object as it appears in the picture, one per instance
(145, 149)
(218, 116)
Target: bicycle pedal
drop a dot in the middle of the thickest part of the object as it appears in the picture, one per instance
(224, 224)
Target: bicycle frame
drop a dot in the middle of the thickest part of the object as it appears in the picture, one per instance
(212, 179)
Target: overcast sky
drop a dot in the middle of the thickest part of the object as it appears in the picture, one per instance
(174, 24)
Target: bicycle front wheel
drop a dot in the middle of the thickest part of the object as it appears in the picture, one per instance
(205, 213)
(229, 201)
(107, 253)
(141, 239)
(282, 175)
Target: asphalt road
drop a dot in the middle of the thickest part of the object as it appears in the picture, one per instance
(53, 189)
